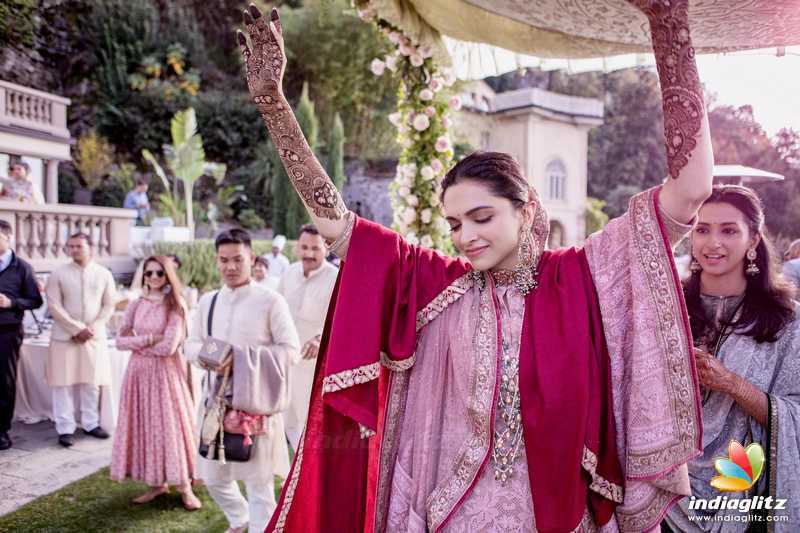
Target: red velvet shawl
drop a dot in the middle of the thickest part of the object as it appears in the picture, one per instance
(564, 379)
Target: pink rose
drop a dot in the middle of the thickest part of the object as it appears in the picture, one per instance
(455, 102)
(426, 95)
(442, 144)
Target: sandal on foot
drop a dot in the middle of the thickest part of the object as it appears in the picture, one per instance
(150, 495)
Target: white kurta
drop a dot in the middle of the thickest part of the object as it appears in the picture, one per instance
(308, 299)
(77, 298)
(256, 317)
(277, 264)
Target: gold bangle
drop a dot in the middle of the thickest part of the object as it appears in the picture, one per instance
(345, 236)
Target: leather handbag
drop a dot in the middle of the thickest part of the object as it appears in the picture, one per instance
(215, 442)
(214, 353)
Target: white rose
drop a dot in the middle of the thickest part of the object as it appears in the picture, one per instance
(391, 62)
(403, 191)
(426, 94)
(427, 172)
(426, 241)
(412, 200)
(434, 199)
(416, 60)
(425, 216)
(411, 238)
(421, 122)
(377, 66)
(395, 118)
(409, 215)
(449, 78)
(395, 37)
(437, 166)
(436, 85)
(406, 142)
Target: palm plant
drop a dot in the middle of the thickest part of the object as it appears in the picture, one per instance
(186, 161)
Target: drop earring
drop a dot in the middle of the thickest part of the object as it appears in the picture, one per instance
(752, 268)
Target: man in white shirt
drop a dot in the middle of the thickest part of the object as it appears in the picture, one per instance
(307, 286)
(256, 321)
(81, 297)
(278, 263)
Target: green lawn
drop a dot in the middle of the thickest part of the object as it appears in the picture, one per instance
(95, 503)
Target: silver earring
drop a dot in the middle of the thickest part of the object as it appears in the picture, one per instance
(752, 268)
(695, 267)
(167, 289)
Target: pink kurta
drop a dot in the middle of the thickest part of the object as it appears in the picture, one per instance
(155, 438)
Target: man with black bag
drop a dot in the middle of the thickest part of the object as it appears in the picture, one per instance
(243, 335)
(18, 293)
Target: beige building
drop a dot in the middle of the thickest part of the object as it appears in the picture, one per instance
(548, 134)
(33, 128)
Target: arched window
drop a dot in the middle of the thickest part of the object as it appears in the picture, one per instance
(556, 238)
(556, 174)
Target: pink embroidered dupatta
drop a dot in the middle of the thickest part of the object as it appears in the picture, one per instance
(389, 289)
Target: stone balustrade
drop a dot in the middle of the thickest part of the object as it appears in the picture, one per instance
(41, 232)
(34, 110)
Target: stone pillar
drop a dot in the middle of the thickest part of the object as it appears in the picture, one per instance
(51, 182)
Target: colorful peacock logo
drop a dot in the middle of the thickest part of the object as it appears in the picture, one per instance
(741, 469)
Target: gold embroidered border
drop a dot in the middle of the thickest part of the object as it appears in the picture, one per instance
(291, 487)
(348, 378)
(653, 258)
(395, 410)
(599, 484)
(447, 494)
(644, 519)
(773, 456)
(445, 298)
(398, 366)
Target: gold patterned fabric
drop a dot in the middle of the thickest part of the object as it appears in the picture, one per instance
(591, 28)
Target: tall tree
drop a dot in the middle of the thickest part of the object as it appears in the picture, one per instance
(336, 153)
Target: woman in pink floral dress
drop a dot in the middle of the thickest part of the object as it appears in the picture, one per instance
(155, 440)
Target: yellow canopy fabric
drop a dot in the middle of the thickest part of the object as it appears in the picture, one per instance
(590, 28)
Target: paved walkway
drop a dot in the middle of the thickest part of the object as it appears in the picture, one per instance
(37, 465)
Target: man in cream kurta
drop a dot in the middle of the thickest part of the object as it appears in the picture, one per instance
(81, 298)
(255, 319)
(307, 286)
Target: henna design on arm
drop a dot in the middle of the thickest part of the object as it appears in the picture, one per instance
(750, 398)
(265, 64)
(681, 92)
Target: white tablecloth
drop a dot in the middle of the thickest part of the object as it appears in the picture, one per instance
(34, 397)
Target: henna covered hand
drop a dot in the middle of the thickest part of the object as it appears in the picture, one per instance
(265, 63)
(681, 92)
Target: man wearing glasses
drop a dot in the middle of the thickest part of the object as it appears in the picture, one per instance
(81, 298)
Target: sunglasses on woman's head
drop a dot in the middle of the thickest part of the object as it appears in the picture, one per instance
(149, 273)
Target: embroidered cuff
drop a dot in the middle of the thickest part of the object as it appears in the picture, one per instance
(676, 231)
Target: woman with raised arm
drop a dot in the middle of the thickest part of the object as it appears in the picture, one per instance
(519, 388)
(746, 328)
